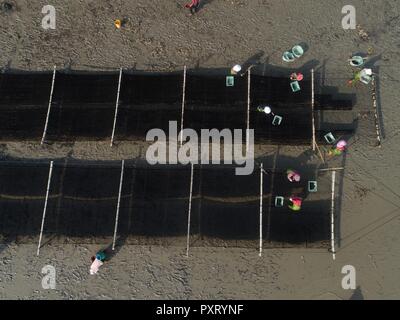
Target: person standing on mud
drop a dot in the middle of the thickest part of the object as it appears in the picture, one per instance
(97, 261)
(193, 6)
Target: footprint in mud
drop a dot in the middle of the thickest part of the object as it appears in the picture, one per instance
(361, 192)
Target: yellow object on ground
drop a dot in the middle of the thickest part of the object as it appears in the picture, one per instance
(118, 24)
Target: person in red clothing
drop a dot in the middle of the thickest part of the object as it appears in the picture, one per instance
(194, 5)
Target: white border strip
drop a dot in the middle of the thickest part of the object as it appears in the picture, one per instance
(333, 216)
(312, 110)
(118, 204)
(189, 212)
(116, 108)
(261, 207)
(183, 104)
(45, 207)
(49, 107)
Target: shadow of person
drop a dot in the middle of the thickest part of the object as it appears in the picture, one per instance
(254, 60)
(5, 244)
(203, 3)
(110, 253)
(370, 63)
(357, 294)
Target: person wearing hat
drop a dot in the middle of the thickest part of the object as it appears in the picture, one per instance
(97, 261)
(296, 203)
(364, 76)
(293, 176)
(236, 69)
(296, 76)
(338, 149)
(101, 255)
(265, 109)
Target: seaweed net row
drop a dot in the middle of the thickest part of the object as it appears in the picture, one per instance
(225, 208)
(83, 105)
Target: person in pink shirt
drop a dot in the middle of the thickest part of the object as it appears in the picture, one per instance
(338, 149)
(97, 261)
(95, 265)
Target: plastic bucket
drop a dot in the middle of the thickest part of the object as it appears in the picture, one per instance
(277, 120)
(357, 61)
(279, 201)
(288, 57)
(230, 81)
(312, 186)
(366, 79)
(295, 86)
(329, 138)
(297, 51)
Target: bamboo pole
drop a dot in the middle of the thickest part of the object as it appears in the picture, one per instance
(261, 208)
(45, 206)
(116, 107)
(312, 109)
(183, 104)
(377, 128)
(248, 109)
(320, 153)
(189, 211)
(333, 216)
(118, 203)
(49, 106)
(332, 169)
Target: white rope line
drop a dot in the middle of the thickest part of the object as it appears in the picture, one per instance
(49, 107)
(116, 107)
(45, 207)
